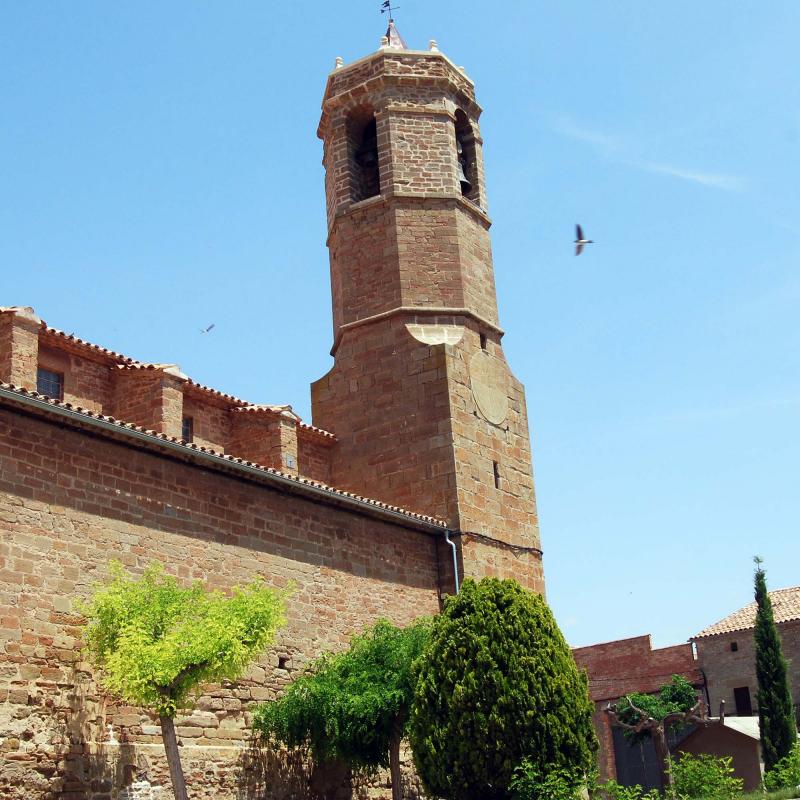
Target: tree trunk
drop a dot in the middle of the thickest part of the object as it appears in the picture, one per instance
(394, 766)
(662, 751)
(173, 758)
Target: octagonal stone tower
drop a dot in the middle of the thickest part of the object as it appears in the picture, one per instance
(426, 410)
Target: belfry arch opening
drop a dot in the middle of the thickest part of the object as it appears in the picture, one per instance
(362, 138)
(467, 160)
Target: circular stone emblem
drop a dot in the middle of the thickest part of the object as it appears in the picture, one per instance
(488, 380)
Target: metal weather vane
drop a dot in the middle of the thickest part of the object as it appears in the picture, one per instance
(388, 8)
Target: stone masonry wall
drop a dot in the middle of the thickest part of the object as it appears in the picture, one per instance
(388, 393)
(400, 397)
(69, 502)
(727, 670)
(87, 383)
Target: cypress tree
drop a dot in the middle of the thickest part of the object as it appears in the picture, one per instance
(498, 684)
(775, 709)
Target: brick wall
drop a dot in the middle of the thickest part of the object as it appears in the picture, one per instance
(624, 666)
(87, 383)
(68, 503)
(152, 398)
(314, 456)
(19, 345)
(727, 670)
(211, 423)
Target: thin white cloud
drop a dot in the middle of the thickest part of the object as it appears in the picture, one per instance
(730, 183)
(615, 149)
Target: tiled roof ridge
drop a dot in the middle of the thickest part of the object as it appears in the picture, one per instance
(192, 446)
(786, 607)
(126, 362)
(96, 348)
(273, 410)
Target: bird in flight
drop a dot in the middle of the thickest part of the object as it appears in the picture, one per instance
(580, 240)
(209, 328)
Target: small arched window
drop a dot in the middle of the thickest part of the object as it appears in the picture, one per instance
(467, 161)
(362, 133)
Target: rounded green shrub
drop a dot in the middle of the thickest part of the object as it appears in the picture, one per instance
(497, 685)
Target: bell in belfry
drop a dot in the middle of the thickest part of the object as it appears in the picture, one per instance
(462, 163)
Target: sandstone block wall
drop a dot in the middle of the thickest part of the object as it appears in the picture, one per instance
(159, 397)
(727, 669)
(69, 502)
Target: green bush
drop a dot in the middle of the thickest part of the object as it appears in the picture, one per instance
(496, 685)
(612, 790)
(786, 772)
(705, 776)
(528, 783)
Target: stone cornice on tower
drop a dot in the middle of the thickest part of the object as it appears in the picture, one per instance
(349, 83)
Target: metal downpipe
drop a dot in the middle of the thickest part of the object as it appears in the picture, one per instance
(455, 558)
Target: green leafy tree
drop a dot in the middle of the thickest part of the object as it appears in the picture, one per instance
(705, 776)
(775, 709)
(157, 642)
(498, 684)
(643, 715)
(352, 706)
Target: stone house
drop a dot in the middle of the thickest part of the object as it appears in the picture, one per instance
(415, 473)
(726, 653)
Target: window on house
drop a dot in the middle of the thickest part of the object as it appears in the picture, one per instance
(50, 383)
(187, 429)
(466, 156)
(496, 469)
(744, 705)
(734, 646)
(362, 135)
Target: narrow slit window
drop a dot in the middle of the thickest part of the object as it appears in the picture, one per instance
(187, 429)
(496, 470)
(734, 647)
(483, 341)
(50, 383)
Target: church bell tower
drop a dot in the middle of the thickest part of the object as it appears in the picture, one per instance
(426, 410)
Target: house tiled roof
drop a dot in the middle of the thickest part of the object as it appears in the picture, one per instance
(78, 411)
(785, 604)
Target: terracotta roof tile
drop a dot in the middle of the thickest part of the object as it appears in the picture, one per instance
(785, 604)
(126, 362)
(193, 446)
(96, 349)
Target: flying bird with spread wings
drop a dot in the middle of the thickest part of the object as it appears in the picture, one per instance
(209, 328)
(580, 240)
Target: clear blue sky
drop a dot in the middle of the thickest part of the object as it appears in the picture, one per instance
(159, 171)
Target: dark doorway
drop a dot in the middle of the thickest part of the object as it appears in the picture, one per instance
(744, 705)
